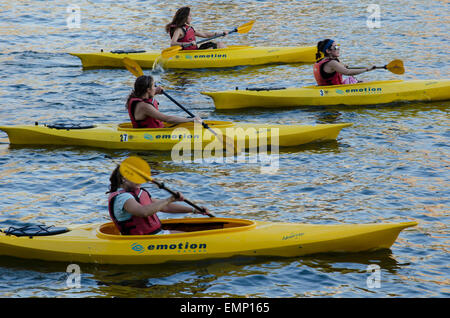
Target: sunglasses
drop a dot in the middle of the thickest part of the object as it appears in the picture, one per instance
(335, 47)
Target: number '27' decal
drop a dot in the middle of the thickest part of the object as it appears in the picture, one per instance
(123, 137)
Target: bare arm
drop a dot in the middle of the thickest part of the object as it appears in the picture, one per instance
(176, 35)
(335, 66)
(203, 34)
(178, 208)
(209, 34)
(175, 208)
(135, 208)
(144, 110)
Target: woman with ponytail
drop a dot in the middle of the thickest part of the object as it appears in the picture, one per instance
(133, 210)
(328, 70)
(143, 108)
(181, 32)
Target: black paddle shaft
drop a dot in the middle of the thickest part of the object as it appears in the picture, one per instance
(178, 104)
(176, 194)
(358, 67)
(183, 108)
(211, 38)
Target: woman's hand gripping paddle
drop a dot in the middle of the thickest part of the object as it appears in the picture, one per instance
(395, 66)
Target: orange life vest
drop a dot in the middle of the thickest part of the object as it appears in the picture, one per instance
(148, 122)
(323, 78)
(135, 225)
(189, 36)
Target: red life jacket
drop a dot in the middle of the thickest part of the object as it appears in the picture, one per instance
(148, 122)
(136, 225)
(323, 78)
(189, 36)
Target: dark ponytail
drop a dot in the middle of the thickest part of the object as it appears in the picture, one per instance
(320, 54)
(140, 87)
(115, 180)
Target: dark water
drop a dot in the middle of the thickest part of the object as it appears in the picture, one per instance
(391, 165)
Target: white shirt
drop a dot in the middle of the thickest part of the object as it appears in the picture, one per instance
(119, 212)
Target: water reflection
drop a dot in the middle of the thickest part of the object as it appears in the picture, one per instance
(391, 165)
(207, 278)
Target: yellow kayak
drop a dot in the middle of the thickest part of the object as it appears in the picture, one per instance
(123, 136)
(234, 55)
(368, 93)
(202, 239)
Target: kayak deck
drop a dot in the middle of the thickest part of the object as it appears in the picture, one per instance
(204, 239)
(367, 93)
(231, 56)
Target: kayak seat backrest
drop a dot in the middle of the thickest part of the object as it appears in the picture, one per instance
(35, 230)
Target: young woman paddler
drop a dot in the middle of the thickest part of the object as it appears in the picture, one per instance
(133, 210)
(182, 32)
(143, 108)
(328, 70)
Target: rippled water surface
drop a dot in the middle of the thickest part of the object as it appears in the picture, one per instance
(391, 165)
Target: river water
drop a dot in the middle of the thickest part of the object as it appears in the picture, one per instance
(392, 165)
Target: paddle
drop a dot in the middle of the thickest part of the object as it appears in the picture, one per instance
(395, 66)
(173, 50)
(137, 171)
(136, 70)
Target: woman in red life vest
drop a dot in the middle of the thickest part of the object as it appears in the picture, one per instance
(181, 32)
(143, 108)
(133, 210)
(328, 70)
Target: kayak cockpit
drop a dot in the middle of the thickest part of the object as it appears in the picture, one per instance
(184, 226)
(353, 85)
(167, 126)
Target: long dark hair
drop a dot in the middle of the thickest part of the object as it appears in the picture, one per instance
(179, 20)
(115, 180)
(140, 87)
(321, 53)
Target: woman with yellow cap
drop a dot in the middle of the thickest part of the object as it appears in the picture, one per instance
(133, 210)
